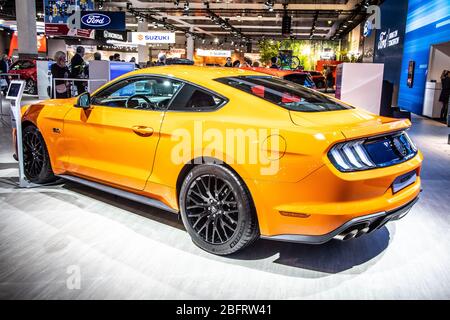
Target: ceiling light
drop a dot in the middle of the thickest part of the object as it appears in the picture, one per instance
(269, 5)
(186, 6)
(216, 40)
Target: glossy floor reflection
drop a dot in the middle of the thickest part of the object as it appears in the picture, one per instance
(125, 250)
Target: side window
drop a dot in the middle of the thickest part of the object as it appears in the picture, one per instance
(17, 66)
(194, 99)
(27, 64)
(138, 93)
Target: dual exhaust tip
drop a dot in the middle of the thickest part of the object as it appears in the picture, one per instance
(353, 232)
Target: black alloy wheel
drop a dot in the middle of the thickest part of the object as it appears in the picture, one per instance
(36, 160)
(30, 87)
(217, 210)
(211, 208)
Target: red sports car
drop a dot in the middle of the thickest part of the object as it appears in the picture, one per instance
(27, 70)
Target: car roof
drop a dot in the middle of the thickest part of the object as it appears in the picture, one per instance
(273, 72)
(196, 74)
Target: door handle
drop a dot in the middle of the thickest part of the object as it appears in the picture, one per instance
(142, 131)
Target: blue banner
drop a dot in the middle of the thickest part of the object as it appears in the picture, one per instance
(428, 23)
(102, 20)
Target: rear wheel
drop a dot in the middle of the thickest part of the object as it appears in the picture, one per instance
(30, 87)
(217, 210)
(37, 167)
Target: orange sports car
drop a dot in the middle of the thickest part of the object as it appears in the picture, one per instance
(239, 154)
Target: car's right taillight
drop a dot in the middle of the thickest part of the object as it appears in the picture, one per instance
(373, 152)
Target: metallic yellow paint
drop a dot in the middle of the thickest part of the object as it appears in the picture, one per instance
(100, 144)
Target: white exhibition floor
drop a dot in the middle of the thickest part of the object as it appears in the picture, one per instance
(124, 250)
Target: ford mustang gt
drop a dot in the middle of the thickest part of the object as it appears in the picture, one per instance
(238, 154)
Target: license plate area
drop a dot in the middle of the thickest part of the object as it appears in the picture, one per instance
(403, 181)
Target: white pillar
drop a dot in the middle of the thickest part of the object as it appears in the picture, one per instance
(190, 46)
(26, 28)
(143, 49)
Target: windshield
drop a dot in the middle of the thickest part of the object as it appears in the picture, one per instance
(284, 93)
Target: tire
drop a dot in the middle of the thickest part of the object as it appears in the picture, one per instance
(30, 87)
(223, 220)
(37, 166)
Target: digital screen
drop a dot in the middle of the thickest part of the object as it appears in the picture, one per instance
(410, 79)
(14, 90)
(119, 68)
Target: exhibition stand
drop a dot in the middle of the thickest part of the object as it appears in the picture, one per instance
(1, 100)
(100, 69)
(44, 78)
(92, 84)
(14, 95)
(431, 104)
(360, 84)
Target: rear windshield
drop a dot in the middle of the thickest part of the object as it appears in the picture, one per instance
(284, 93)
(300, 78)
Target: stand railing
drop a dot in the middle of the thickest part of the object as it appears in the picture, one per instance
(70, 80)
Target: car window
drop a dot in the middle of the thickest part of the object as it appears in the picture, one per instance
(138, 93)
(20, 65)
(296, 77)
(192, 98)
(284, 93)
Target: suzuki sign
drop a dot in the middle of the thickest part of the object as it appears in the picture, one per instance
(152, 37)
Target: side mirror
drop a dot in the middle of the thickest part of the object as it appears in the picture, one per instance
(84, 101)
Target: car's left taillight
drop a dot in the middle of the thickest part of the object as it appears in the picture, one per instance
(372, 152)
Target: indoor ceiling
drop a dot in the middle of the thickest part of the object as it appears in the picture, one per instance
(252, 19)
(311, 19)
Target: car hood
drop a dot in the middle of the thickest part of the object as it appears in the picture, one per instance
(352, 123)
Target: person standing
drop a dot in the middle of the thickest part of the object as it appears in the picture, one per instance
(77, 66)
(60, 70)
(445, 93)
(133, 60)
(97, 56)
(161, 59)
(236, 64)
(228, 64)
(273, 62)
(329, 80)
(247, 62)
(4, 68)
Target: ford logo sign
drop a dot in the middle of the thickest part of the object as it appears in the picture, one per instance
(95, 20)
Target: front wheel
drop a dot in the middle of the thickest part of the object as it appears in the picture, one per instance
(36, 161)
(217, 210)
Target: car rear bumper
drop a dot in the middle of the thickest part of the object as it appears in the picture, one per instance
(353, 228)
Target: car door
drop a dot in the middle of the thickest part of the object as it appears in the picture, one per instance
(115, 140)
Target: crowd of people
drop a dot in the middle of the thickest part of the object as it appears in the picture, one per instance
(78, 68)
(238, 64)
